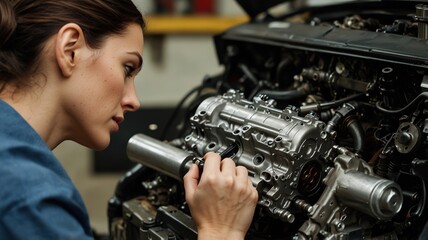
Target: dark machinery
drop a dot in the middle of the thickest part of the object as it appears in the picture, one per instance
(325, 106)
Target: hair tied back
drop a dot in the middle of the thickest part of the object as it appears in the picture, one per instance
(7, 21)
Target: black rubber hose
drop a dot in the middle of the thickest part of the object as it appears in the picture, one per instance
(328, 105)
(331, 125)
(319, 107)
(357, 133)
(407, 107)
(177, 109)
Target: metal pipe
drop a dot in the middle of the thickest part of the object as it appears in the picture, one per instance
(421, 18)
(159, 156)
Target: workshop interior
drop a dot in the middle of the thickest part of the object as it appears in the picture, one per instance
(324, 102)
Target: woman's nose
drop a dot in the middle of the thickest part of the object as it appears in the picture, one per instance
(130, 102)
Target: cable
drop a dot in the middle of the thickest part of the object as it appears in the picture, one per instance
(396, 111)
(177, 109)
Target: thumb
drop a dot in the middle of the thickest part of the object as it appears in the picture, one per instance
(191, 180)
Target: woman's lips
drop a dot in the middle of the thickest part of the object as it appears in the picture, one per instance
(117, 120)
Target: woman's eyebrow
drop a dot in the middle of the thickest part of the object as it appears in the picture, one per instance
(140, 58)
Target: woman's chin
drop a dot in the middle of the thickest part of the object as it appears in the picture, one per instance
(98, 144)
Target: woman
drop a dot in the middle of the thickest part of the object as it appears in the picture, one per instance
(67, 72)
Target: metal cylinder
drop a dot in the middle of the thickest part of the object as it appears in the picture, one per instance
(159, 156)
(422, 19)
(377, 197)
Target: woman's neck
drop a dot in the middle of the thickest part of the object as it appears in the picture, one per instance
(38, 106)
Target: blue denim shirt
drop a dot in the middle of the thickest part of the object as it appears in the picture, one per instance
(37, 198)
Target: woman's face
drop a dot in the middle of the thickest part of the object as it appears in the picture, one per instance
(103, 89)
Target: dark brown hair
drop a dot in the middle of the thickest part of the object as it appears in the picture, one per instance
(25, 26)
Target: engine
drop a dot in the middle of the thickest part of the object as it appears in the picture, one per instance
(328, 115)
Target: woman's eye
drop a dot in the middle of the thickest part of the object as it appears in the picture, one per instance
(129, 70)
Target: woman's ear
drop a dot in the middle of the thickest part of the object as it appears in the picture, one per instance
(69, 42)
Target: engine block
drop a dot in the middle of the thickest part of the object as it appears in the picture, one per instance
(292, 162)
(279, 148)
(287, 157)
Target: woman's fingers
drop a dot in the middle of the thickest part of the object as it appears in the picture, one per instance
(223, 201)
(227, 167)
(191, 180)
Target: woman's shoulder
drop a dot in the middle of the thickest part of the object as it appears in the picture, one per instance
(36, 190)
(31, 172)
(38, 202)
(30, 169)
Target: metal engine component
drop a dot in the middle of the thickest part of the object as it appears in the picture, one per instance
(286, 156)
(277, 147)
(327, 108)
(422, 18)
(162, 157)
(351, 183)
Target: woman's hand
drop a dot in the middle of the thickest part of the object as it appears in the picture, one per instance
(222, 201)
